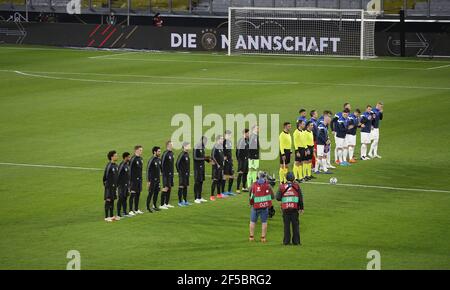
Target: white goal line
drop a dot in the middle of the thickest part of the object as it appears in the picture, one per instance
(310, 182)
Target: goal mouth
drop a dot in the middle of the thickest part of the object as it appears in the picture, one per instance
(301, 32)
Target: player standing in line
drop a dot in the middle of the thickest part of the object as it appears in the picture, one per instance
(285, 140)
(302, 116)
(327, 149)
(299, 146)
(253, 155)
(228, 169)
(323, 141)
(366, 128)
(314, 116)
(242, 158)
(341, 128)
(309, 151)
(350, 138)
(110, 183)
(123, 184)
(217, 157)
(199, 168)
(136, 164)
(154, 178)
(167, 165)
(375, 133)
(184, 171)
(333, 129)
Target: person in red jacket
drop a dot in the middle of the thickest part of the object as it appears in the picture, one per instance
(261, 196)
(291, 198)
(157, 20)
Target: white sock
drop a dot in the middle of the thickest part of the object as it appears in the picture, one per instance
(363, 150)
(324, 164)
(345, 152)
(371, 148)
(316, 168)
(340, 155)
(329, 158)
(336, 153)
(375, 148)
(351, 151)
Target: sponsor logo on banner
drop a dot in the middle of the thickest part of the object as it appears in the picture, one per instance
(208, 39)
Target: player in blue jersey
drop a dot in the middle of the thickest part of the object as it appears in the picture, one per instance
(302, 116)
(341, 127)
(327, 148)
(366, 128)
(333, 129)
(377, 116)
(350, 138)
(323, 142)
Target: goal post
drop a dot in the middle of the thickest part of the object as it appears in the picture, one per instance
(301, 31)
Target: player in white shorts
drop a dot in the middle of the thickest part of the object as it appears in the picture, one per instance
(366, 128)
(350, 138)
(377, 116)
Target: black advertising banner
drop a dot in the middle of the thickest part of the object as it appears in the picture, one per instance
(428, 42)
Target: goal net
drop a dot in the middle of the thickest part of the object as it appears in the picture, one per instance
(301, 31)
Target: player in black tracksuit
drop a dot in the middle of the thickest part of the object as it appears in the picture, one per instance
(153, 178)
(110, 183)
(228, 170)
(242, 158)
(123, 184)
(136, 164)
(199, 168)
(167, 165)
(217, 168)
(184, 170)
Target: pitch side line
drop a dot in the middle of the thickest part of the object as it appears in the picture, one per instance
(190, 53)
(310, 182)
(263, 63)
(154, 76)
(236, 81)
(223, 82)
(438, 67)
(114, 54)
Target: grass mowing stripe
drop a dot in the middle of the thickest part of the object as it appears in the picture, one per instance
(310, 182)
(264, 63)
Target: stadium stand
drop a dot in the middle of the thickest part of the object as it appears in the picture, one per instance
(427, 8)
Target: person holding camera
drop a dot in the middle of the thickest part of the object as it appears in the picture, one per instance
(291, 199)
(261, 196)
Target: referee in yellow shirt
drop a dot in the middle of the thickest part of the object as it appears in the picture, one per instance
(309, 152)
(300, 147)
(285, 151)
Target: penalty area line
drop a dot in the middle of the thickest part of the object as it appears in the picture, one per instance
(311, 182)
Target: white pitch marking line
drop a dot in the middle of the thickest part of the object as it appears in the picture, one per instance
(50, 166)
(438, 67)
(219, 54)
(257, 82)
(223, 81)
(152, 76)
(315, 183)
(115, 54)
(263, 63)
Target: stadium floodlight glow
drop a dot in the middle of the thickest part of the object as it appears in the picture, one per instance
(301, 31)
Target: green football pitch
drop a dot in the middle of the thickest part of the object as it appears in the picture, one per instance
(63, 109)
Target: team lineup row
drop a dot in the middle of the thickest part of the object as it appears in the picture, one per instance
(312, 144)
(312, 149)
